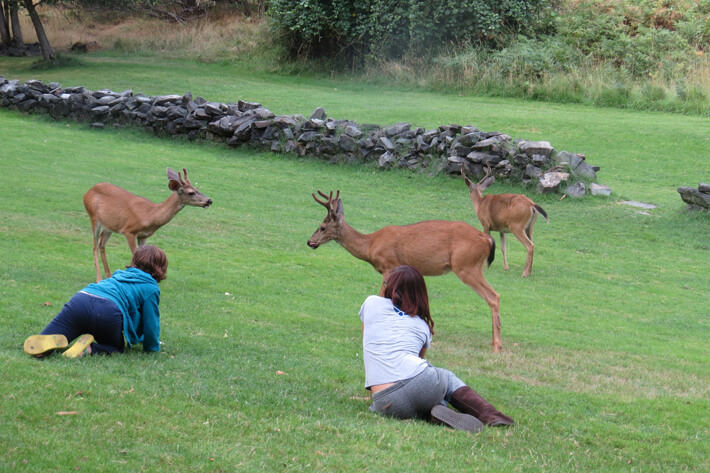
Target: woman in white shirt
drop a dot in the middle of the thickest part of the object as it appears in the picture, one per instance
(397, 331)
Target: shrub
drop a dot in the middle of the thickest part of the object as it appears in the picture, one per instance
(381, 29)
(615, 95)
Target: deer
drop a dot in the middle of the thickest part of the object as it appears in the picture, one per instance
(434, 247)
(505, 213)
(116, 210)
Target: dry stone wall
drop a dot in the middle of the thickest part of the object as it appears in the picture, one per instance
(440, 150)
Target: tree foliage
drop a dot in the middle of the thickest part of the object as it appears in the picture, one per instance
(391, 28)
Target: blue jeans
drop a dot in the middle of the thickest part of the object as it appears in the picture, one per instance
(87, 313)
(414, 397)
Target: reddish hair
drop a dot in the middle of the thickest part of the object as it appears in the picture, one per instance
(406, 288)
(152, 260)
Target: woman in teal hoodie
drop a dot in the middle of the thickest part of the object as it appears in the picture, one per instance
(104, 314)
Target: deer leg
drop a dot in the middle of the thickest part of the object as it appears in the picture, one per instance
(502, 249)
(384, 283)
(531, 225)
(522, 235)
(132, 241)
(103, 239)
(474, 278)
(95, 248)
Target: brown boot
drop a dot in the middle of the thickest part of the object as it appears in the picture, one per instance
(469, 401)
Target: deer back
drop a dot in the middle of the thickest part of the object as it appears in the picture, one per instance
(434, 247)
(118, 209)
(498, 211)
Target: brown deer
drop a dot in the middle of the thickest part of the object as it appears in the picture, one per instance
(434, 247)
(115, 210)
(505, 213)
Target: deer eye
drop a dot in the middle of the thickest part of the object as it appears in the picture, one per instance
(191, 193)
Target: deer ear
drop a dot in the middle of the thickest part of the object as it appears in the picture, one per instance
(172, 175)
(488, 181)
(339, 211)
(174, 185)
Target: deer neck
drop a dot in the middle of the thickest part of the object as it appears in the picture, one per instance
(166, 210)
(357, 244)
(476, 199)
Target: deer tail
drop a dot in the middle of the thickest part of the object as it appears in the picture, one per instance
(492, 253)
(542, 212)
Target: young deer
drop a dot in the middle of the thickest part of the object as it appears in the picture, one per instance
(505, 213)
(115, 210)
(434, 247)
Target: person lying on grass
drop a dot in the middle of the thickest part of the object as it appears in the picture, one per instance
(103, 314)
(396, 332)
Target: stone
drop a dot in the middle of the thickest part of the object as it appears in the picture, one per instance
(704, 188)
(284, 121)
(244, 106)
(263, 113)
(549, 182)
(576, 190)
(694, 197)
(347, 143)
(386, 160)
(309, 136)
(385, 144)
(212, 108)
(641, 205)
(598, 189)
(469, 139)
(225, 126)
(353, 131)
(318, 114)
(531, 171)
(539, 160)
(580, 169)
(396, 129)
(454, 164)
(536, 147)
(477, 157)
(164, 99)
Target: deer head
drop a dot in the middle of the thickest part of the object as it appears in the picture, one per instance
(330, 228)
(478, 188)
(186, 192)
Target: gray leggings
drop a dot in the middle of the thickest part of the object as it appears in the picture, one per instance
(414, 397)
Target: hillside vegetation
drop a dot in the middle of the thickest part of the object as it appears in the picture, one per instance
(639, 54)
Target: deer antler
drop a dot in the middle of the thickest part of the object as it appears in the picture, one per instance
(186, 181)
(488, 172)
(329, 203)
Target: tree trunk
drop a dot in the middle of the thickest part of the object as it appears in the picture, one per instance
(47, 50)
(15, 21)
(4, 25)
(247, 8)
(262, 7)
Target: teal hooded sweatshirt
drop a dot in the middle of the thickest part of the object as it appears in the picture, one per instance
(137, 294)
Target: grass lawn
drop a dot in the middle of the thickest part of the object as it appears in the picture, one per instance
(605, 363)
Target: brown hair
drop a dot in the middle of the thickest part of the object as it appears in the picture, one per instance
(406, 288)
(152, 260)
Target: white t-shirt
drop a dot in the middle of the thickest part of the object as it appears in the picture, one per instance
(391, 342)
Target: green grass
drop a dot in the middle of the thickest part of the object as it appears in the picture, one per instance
(605, 364)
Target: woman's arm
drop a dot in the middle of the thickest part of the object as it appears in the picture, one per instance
(422, 353)
(151, 323)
